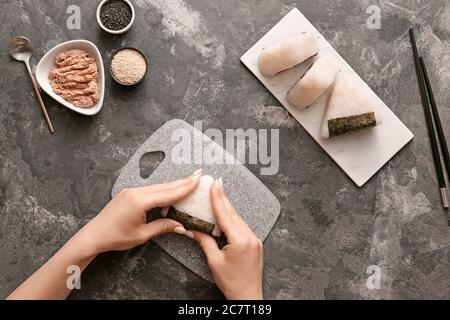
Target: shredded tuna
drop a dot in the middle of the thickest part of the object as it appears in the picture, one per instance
(75, 78)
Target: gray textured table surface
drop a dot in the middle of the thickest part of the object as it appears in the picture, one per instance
(329, 230)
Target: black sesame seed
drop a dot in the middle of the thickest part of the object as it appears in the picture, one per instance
(115, 14)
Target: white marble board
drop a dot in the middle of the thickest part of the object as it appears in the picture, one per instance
(360, 155)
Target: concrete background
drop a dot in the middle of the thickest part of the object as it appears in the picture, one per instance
(329, 230)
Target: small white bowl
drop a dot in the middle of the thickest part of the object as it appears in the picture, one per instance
(99, 21)
(48, 61)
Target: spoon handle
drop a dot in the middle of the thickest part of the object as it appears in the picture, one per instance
(41, 102)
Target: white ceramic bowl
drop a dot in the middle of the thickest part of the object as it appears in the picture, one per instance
(47, 62)
(99, 21)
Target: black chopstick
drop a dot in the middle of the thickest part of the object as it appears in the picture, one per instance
(437, 119)
(429, 121)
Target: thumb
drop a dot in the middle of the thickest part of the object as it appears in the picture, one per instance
(208, 244)
(158, 227)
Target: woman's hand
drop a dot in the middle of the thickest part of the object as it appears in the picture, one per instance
(237, 268)
(121, 225)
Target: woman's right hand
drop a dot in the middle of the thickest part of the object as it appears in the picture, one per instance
(237, 267)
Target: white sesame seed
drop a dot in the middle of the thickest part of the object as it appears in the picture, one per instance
(128, 66)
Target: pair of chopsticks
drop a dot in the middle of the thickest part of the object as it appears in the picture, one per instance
(431, 111)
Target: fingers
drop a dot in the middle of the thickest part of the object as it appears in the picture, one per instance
(237, 218)
(158, 227)
(227, 218)
(170, 185)
(168, 197)
(208, 244)
(161, 226)
(221, 213)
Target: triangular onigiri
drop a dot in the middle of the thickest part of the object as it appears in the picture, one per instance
(314, 83)
(195, 211)
(349, 109)
(287, 54)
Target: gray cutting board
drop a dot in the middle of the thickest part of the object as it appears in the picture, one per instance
(253, 201)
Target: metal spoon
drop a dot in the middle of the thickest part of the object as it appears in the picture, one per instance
(21, 49)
